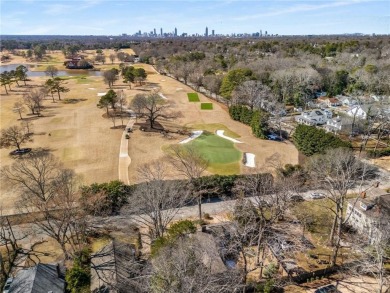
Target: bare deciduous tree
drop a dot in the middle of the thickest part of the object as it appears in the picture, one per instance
(252, 93)
(51, 71)
(187, 266)
(191, 164)
(338, 171)
(33, 100)
(153, 107)
(19, 108)
(156, 201)
(14, 136)
(48, 193)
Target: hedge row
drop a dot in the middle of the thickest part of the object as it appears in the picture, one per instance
(378, 153)
(310, 140)
(108, 198)
(256, 119)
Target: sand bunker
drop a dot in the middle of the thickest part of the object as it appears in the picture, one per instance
(100, 94)
(250, 160)
(162, 96)
(194, 135)
(220, 133)
(179, 89)
(91, 88)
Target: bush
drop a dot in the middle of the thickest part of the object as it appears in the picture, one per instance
(378, 153)
(175, 231)
(78, 278)
(310, 140)
(105, 198)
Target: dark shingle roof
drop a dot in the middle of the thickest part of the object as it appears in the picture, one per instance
(42, 278)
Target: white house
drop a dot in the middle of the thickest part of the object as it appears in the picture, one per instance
(313, 117)
(368, 217)
(338, 124)
(361, 111)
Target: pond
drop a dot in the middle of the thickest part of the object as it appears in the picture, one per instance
(70, 72)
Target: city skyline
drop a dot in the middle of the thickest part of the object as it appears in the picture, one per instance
(104, 17)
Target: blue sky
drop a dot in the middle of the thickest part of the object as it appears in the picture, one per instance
(113, 17)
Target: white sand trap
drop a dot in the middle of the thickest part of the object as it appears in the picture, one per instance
(100, 94)
(179, 88)
(220, 133)
(250, 160)
(162, 96)
(194, 135)
(162, 80)
(91, 88)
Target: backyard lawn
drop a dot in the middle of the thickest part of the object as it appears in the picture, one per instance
(193, 97)
(223, 157)
(206, 106)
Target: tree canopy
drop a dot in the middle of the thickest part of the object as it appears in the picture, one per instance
(311, 140)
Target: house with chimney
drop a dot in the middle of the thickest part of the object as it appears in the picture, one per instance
(369, 216)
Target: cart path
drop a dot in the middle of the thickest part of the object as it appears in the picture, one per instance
(124, 158)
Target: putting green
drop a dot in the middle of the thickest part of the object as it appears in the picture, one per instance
(206, 106)
(223, 157)
(193, 97)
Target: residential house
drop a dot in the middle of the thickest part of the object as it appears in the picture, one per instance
(362, 111)
(314, 117)
(136, 59)
(330, 102)
(347, 101)
(42, 278)
(337, 125)
(113, 266)
(369, 217)
(77, 62)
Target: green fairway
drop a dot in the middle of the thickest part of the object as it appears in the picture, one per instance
(223, 157)
(206, 106)
(193, 97)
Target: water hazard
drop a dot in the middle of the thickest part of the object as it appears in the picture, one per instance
(73, 72)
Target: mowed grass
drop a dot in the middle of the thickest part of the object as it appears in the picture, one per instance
(213, 127)
(193, 97)
(223, 157)
(206, 106)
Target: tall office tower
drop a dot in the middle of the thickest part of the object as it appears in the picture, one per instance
(261, 33)
(266, 33)
(161, 32)
(213, 33)
(154, 31)
(175, 32)
(139, 32)
(206, 34)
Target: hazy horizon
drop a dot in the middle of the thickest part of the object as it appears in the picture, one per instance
(113, 17)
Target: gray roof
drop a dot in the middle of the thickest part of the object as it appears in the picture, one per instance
(209, 253)
(42, 278)
(113, 267)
